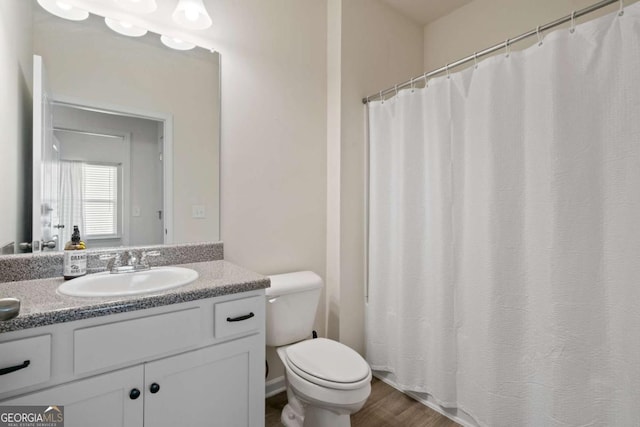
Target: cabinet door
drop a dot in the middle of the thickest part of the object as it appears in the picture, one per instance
(221, 385)
(100, 401)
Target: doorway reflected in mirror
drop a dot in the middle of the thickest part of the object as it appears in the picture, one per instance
(110, 177)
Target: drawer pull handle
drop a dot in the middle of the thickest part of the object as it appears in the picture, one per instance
(5, 371)
(240, 318)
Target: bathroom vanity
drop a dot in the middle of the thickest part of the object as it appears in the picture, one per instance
(190, 356)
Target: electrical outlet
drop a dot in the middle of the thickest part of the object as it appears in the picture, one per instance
(198, 211)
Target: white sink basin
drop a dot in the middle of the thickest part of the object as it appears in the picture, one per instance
(142, 282)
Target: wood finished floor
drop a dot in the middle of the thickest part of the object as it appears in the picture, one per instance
(386, 407)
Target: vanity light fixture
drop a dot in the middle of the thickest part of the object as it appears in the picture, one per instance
(192, 14)
(138, 6)
(62, 9)
(176, 43)
(124, 28)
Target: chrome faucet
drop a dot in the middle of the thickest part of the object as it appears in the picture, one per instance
(133, 261)
(114, 261)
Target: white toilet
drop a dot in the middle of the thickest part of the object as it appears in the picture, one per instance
(326, 381)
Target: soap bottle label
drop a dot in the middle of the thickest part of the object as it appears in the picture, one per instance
(75, 263)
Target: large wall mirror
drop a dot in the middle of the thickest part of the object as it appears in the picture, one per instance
(126, 131)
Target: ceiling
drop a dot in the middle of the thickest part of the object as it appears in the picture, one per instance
(420, 11)
(426, 11)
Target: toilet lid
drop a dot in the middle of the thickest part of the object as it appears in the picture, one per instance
(328, 360)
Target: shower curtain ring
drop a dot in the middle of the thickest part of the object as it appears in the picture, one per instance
(507, 48)
(381, 97)
(621, 11)
(412, 88)
(447, 69)
(573, 22)
(426, 80)
(396, 89)
(475, 60)
(539, 36)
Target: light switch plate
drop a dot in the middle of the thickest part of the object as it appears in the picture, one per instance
(198, 211)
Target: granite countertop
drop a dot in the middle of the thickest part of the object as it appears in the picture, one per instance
(41, 305)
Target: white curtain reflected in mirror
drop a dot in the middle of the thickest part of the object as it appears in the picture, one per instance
(70, 200)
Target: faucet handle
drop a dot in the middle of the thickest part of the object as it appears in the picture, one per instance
(146, 254)
(133, 258)
(113, 259)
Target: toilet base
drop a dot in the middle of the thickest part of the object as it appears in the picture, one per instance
(290, 418)
(302, 411)
(314, 417)
(297, 413)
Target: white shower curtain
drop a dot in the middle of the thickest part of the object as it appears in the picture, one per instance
(504, 251)
(71, 198)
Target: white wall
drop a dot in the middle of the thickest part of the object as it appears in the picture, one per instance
(16, 70)
(276, 163)
(483, 23)
(273, 128)
(101, 66)
(274, 132)
(378, 47)
(334, 149)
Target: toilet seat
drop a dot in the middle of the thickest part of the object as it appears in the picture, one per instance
(329, 364)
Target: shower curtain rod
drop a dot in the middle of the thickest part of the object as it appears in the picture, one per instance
(494, 48)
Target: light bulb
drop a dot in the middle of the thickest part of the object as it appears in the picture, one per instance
(125, 28)
(176, 43)
(138, 6)
(64, 6)
(191, 14)
(63, 9)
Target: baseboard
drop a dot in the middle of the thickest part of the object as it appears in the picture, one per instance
(459, 417)
(275, 386)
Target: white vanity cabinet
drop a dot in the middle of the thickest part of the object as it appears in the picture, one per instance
(99, 401)
(199, 363)
(211, 387)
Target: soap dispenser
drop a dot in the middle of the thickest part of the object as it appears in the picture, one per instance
(75, 256)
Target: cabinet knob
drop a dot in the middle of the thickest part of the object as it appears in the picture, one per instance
(154, 388)
(134, 394)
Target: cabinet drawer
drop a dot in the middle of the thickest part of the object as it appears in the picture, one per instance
(238, 317)
(33, 358)
(134, 340)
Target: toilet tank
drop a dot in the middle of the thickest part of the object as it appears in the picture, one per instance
(292, 302)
